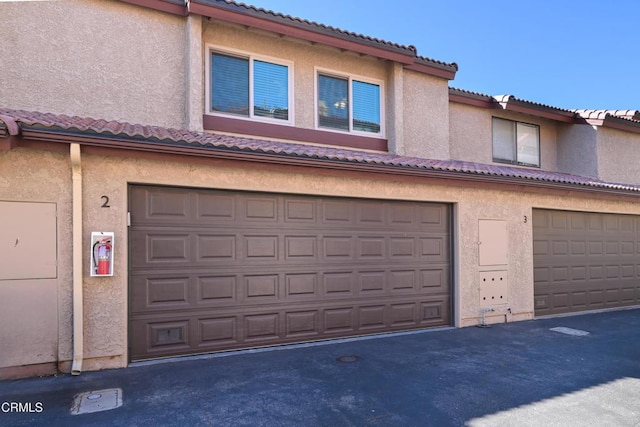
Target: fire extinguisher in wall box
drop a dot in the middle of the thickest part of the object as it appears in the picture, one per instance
(102, 253)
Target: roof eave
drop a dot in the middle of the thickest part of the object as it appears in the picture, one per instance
(511, 104)
(438, 70)
(405, 55)
(172, 7)
(618, 123)
(185, 149)
(470, 98)
(520, 106)
(302, 32)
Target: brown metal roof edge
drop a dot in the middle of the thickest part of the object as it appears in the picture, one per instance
(619, 123)
(241, 14)
(511, 103)
(246, 9)
(176, 7)
(434, 69)
(540, 110)
(160, 147)
(300, 30)
(462, 96)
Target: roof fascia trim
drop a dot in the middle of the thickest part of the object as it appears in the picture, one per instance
(299, 33)
(539, 111)
(161, 5)
(38, 134)
(391, 53)
(444, 72)
(619, 123)
(475, 100)
(511, 104)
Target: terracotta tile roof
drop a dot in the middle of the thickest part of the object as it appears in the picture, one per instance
(510, 98)
(28, 120)
(322, 28)
(505, 99)
(510, 102)
(458, 91)
(633, 115)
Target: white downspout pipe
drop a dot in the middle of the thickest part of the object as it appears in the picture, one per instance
(78, 309)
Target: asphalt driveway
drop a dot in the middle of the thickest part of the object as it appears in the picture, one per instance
(520, 374)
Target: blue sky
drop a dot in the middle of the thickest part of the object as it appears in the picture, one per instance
(564, 53)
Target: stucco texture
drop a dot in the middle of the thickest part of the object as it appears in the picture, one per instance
(425, 116)
(613, 165)
(304, 56)
(36, 314)
(471, 134)
(91, 58)
(471, 204)
(578, 150)
(45, 176)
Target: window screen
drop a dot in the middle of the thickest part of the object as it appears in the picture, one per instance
(504, 140)
(270, 90)
(233, 91)
(366, 107)
(333, 102)
(335, 110)
(528, 144)
(229, 84)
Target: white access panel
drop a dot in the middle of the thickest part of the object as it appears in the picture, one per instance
(28, 248)
(493, 242)
(494, 288)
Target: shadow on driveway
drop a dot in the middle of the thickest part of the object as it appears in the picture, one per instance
(511, 374)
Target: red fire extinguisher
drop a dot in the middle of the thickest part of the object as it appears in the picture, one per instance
(102, 256)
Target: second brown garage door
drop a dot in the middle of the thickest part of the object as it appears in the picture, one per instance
(585, 261)
(219, 270)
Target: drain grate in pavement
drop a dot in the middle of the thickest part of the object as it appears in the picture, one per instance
(570, 331)
(96, 401)
(348, 359)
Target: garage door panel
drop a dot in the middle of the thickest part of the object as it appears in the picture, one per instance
(216, 248)
(600, 261)
(628, 294)
(201, 332)
(301, 211)
(160, 206)
(214, 208)
(252, 269)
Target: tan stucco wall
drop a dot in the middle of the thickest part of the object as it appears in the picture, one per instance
(618, 156)
(304, 56)
(35, 315)
(577, 149)
(471, 134)
(94, 58)
(425, 116)
(46, 177)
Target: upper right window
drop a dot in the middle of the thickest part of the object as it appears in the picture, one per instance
(348, 104)
(515, 142)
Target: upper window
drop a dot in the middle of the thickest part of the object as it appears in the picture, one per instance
(515, 142)
(349, 104)
(249, 87)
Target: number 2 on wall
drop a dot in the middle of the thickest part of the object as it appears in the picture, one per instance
(106, 202)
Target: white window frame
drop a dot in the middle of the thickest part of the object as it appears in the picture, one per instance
(350, 77)
(515, 161)
(211, 48)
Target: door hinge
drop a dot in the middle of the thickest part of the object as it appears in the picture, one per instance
(128, 219)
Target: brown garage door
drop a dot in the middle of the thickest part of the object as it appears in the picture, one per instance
(219, 270)
(585, 261)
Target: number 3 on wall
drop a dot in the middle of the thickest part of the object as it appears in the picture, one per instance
(106, 202)
(526, 218)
